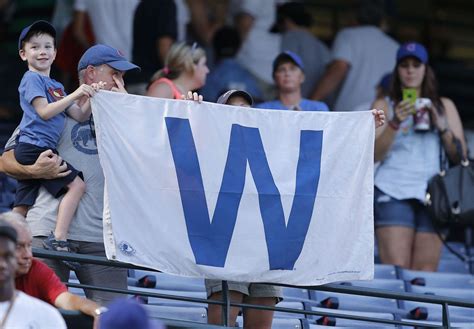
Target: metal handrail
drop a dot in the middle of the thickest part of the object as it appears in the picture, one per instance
(226, 303)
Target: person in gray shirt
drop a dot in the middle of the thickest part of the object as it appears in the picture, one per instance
(77, 146)
(294, 22)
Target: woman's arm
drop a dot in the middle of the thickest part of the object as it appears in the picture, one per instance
(451, 131)
(385, 135)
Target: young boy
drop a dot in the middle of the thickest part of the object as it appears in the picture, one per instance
(44, 102)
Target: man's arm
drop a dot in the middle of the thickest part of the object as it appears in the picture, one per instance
(333, 76)
(47, 166)
(71, 302)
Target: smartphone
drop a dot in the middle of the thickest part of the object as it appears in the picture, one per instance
(410, 94)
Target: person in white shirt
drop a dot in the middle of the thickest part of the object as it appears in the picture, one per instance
(112, 23)
(253, 20)
(18, 310)
(361, 55)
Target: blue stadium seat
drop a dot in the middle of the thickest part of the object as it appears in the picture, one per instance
(385, 271)
(457, 246)
(315, 326)
(282, 323)
(434, 311)
(171, 302)
(466, 325)
(386, 284)
(355, 323)
(172, 282)
(467, 294)
(76, 291)
(295, 294)
(436, 279)
(358, 303)
(453, 265)
(293, 305)
(196, 314)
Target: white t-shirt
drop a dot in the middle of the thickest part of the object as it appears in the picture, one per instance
(371, 54)
(182, 19)
(260, 47)
(112, 22)
(31, 313)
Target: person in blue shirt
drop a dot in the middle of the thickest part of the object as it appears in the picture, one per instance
(44, 104)
(288, 74)
(228, 73)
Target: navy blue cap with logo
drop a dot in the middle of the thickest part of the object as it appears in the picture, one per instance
(40, 26)
(286, 56)
(224, 98)
(102, 54)
(412, 49)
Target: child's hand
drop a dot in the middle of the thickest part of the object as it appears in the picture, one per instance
(83, 90)
(379, 117)
(98, 86)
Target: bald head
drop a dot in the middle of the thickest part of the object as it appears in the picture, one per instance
(24, 254)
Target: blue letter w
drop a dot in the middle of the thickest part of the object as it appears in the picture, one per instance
(210, 240)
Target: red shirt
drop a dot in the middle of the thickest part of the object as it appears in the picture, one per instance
(41, 282)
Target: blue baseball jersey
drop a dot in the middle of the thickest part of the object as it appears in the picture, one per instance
(305, 105)
(33, 129)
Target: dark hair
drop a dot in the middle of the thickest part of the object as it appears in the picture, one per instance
(296, 12)
(226, 42)
(429, 88)
(370, 12)
(34, 33)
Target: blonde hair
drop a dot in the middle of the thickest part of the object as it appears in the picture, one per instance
(181, 58)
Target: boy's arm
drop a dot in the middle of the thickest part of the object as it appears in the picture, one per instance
(47, 166)
(48, 110)
(80, 112)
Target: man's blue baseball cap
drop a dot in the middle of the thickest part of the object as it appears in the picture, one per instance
(102, 54)
(285, 57)
(412, 49)
(40, 26)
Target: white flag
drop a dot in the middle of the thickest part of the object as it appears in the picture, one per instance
(234, 193)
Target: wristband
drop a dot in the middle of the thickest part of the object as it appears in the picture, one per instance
(393, 125)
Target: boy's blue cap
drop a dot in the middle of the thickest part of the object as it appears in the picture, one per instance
(102, 54)
(284, 57)
(42, 26)
(412, 49)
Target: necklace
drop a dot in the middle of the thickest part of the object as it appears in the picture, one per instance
(7, 313)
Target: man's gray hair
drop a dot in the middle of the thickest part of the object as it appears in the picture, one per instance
(15, 219)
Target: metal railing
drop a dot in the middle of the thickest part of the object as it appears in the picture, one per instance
(226, 303)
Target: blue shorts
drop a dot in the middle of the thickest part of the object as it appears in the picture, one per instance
(27, 190)
(409, 213)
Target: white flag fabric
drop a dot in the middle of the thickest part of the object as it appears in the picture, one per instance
(234, 193)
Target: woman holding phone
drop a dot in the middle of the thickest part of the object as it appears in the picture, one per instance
(408, 148)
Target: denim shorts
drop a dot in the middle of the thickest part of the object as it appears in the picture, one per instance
(248, 289)
(409, 213)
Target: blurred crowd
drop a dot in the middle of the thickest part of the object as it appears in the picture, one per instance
(258, 53)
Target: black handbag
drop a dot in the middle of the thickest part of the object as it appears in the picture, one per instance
(450, 194)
